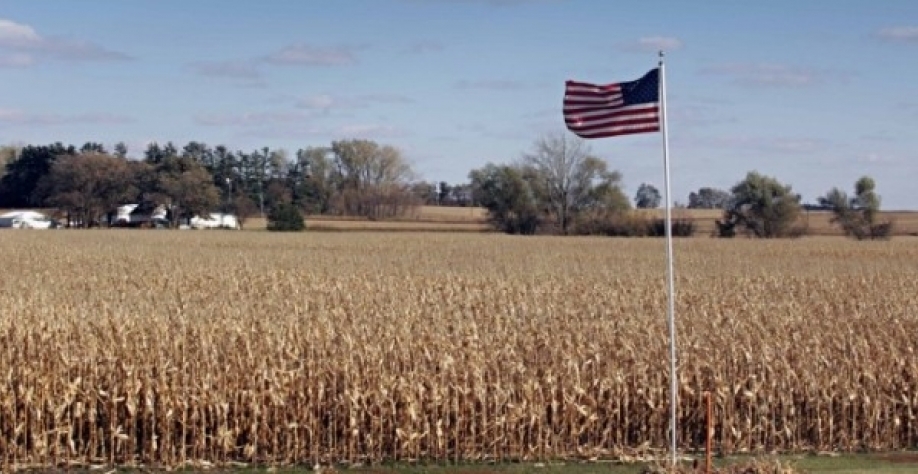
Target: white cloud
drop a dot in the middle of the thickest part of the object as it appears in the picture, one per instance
(25, 47)
(16, 33)
(899, 33)
(653, 44)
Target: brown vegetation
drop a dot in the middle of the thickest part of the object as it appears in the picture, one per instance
(164, 348)
(474, 219)
(436, 218)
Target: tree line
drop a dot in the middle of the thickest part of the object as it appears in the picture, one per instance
(560, 188)
(557, 187)
(348, 177)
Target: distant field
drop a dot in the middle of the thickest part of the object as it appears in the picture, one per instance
(433, 218)
(424, 219)
(817, 222)
(474, 219)
(451, 214)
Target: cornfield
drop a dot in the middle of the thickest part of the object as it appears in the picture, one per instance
(167, 348)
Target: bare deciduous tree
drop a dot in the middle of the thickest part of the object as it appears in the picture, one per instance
(568, 174)
(373, 180)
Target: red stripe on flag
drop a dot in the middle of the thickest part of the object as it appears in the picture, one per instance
(596, 111)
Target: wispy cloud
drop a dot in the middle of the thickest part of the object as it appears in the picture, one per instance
(877, 159)
(779, 145)
(480, 129)
(420, 47)
(233, 69)
(548, 112)
(906, 34)
(19, 117)
(494, 84)
(384, 98)
(319, 102)
(22, 46)
(327, 102)
(298, 54)
(310, 55)
(699, 114)
(496, 3)
(250, 118)
(794, 145)
(369, 130)
(17, 33)
(774, 75)
(291, 131)
(16, 60)
(652, 44)
(881, 137)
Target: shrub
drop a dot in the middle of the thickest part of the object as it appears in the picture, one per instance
(882, 231)
(618, 225)
(725, 228)
(634, 225)
(763, 207)
(857, 215)
(286, 218)
(681, 227)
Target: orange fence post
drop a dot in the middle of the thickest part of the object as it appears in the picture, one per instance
(707, 436)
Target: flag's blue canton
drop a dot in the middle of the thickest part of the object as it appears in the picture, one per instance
(643, 90)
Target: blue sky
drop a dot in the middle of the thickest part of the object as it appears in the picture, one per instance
(816, 93)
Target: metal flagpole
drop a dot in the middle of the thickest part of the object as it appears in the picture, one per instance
(669, 263)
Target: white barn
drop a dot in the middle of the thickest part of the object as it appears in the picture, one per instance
(26, 220)
(215, 220)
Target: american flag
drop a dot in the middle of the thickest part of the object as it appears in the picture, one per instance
(596, 111)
